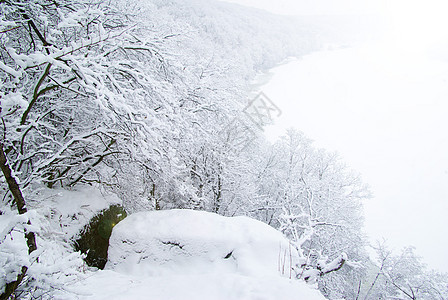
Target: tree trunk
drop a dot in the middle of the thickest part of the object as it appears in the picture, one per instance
(21, 207)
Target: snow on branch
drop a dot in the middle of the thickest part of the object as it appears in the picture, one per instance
(334, 265)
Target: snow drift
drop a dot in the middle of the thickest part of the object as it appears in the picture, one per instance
(185, 254)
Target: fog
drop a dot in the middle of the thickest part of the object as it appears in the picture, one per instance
(382, 105)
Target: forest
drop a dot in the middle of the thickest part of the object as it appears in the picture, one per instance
(148, 103)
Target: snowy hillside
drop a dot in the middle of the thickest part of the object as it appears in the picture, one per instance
(184, 254)
(110, 108)
(146, 100)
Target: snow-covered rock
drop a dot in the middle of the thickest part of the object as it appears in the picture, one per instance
(185, 254)
(57, 222)
(158, 242)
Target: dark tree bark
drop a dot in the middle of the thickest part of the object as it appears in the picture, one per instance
(30, 237)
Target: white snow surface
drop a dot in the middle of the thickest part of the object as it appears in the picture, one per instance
(185, 254)
(160, 242)
(109, 285)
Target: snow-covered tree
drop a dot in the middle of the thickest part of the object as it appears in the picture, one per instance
(316, 201)
(403, 276)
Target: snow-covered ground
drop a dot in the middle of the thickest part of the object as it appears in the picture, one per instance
(175, 254)
(185, 254)
(209, 286)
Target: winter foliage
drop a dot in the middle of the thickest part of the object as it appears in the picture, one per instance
(142, 103)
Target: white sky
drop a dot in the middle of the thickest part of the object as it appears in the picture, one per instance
(314, 7)
(383, 106)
